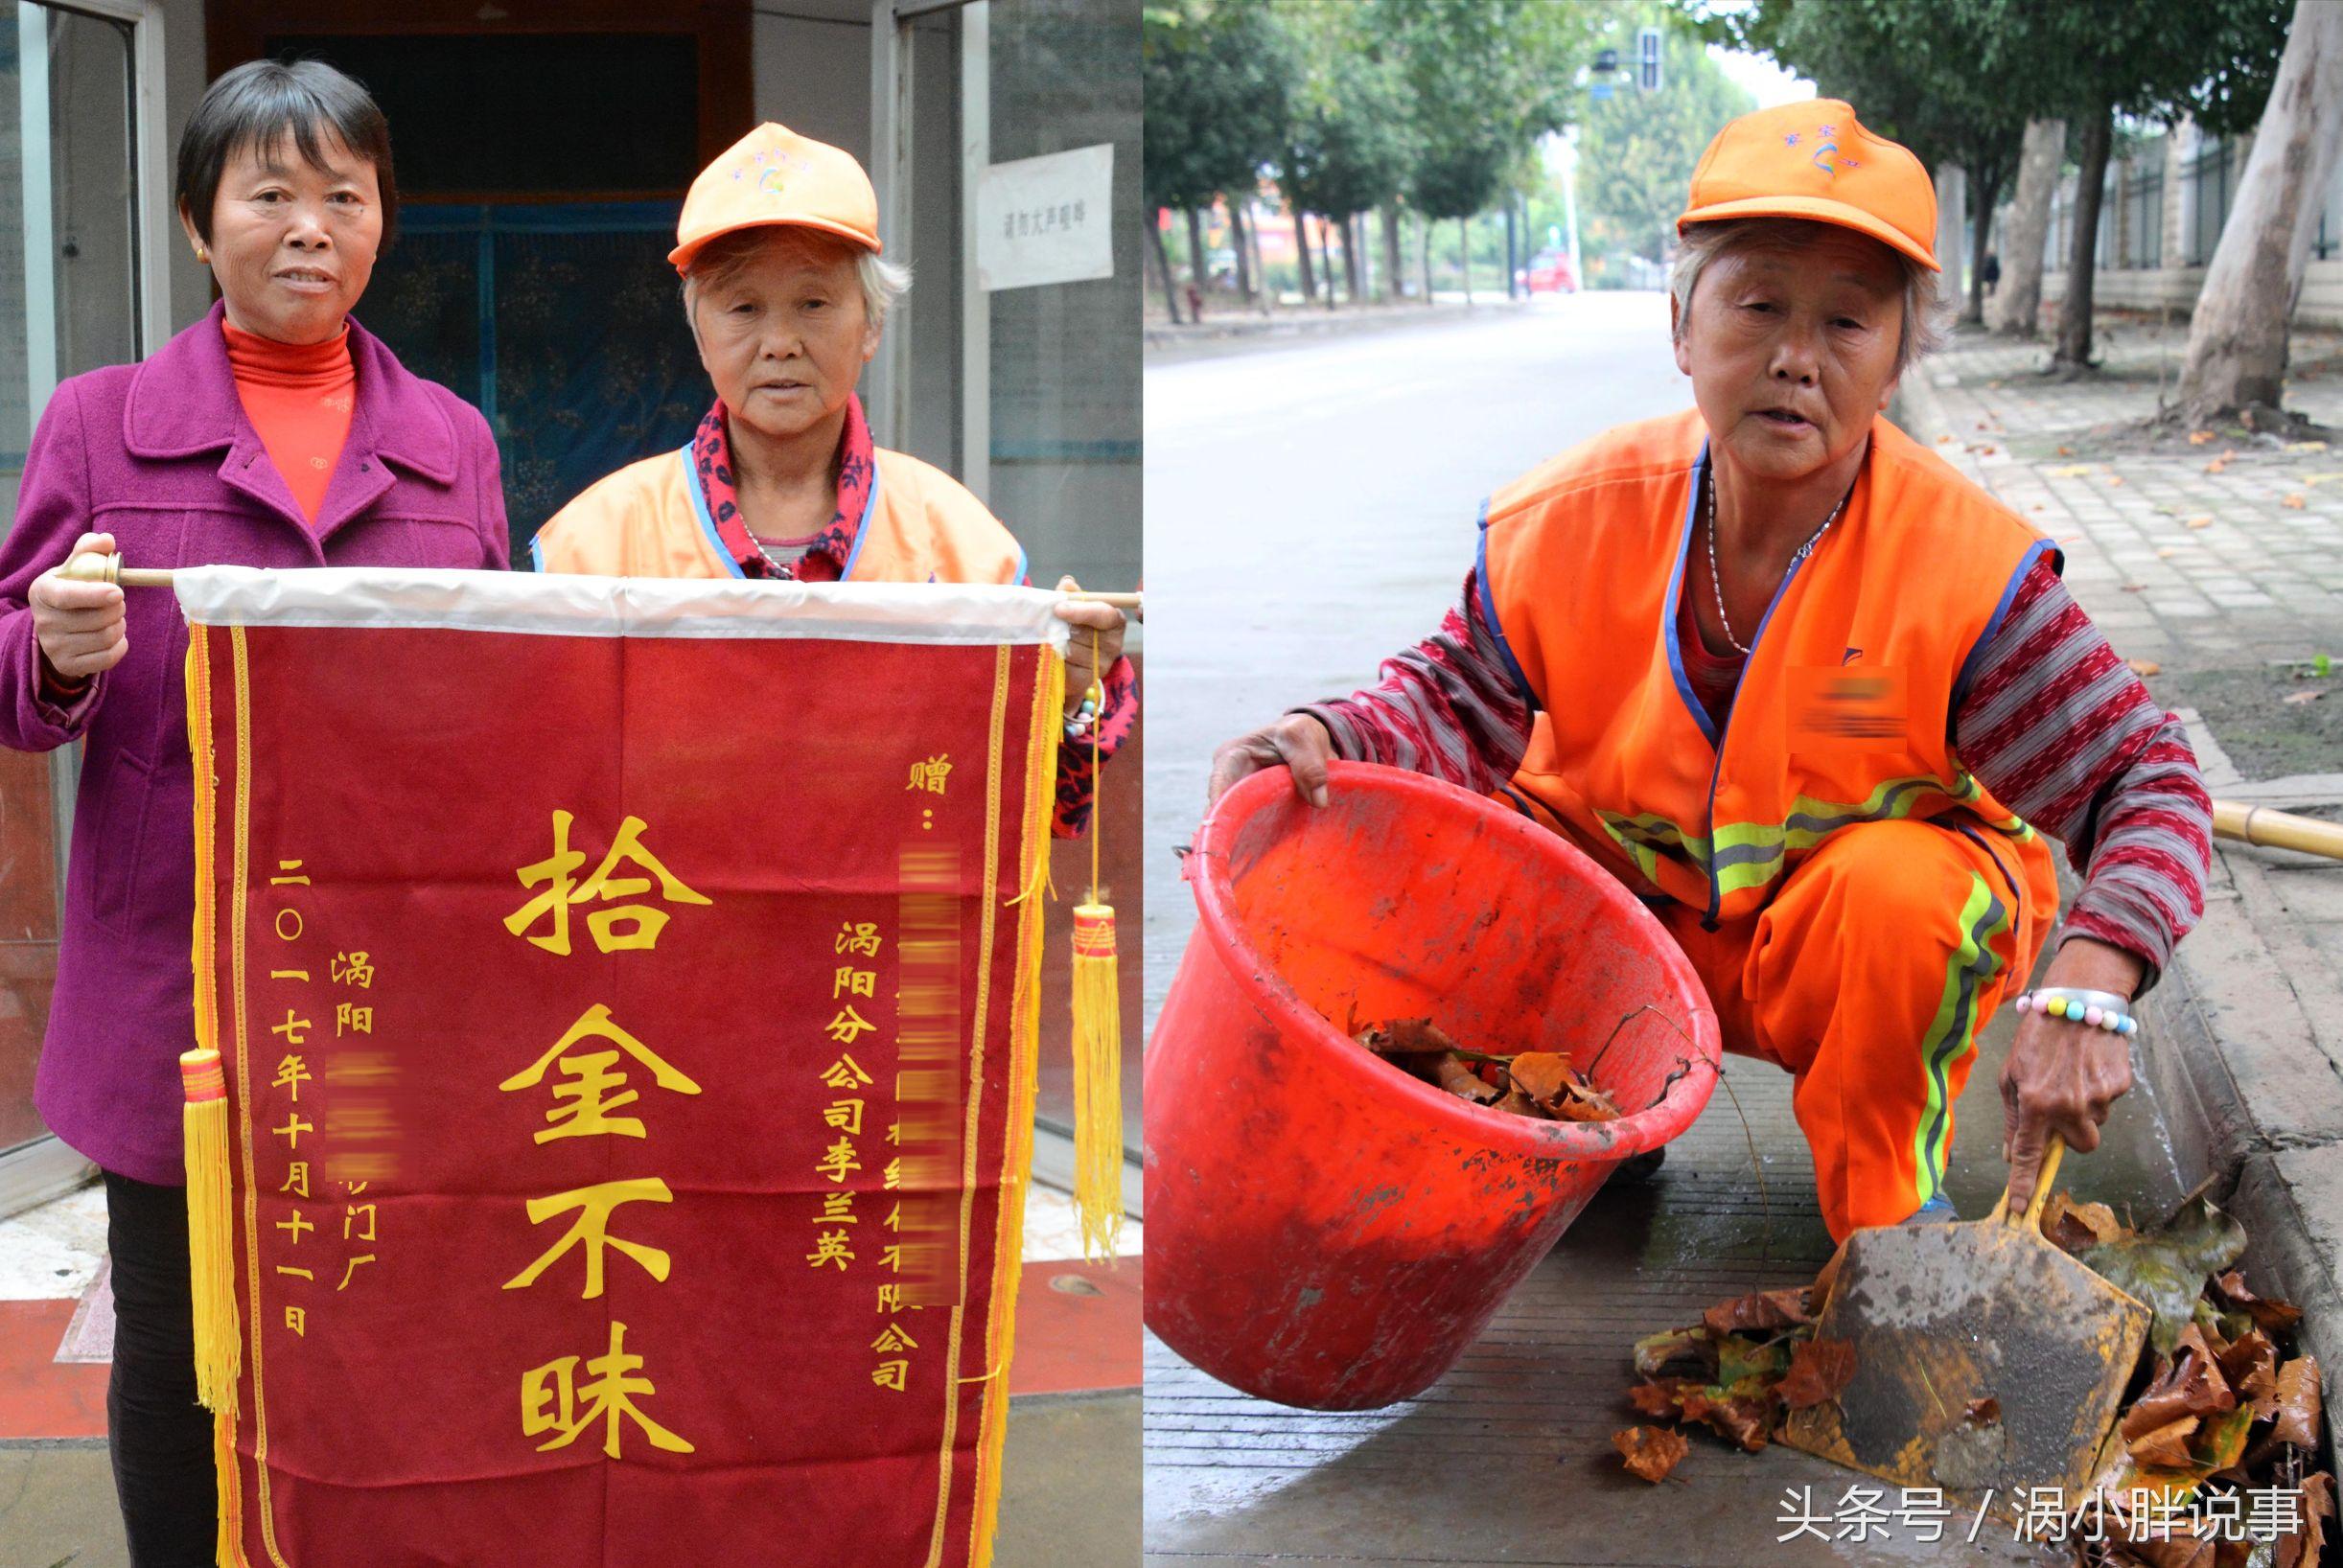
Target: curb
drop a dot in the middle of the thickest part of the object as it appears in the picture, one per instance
(2250, 1083)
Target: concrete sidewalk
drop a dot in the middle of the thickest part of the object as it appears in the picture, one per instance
(2218, 563)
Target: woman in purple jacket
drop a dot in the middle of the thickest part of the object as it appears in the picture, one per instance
(274, 432)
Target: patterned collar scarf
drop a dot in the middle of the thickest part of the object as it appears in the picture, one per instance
(826, 562)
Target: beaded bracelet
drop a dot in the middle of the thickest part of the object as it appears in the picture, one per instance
(2092, 1010)
(1080, 720)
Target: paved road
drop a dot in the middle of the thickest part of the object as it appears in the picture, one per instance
(1312, 508)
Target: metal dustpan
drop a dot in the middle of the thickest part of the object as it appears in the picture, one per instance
(1985, 1355)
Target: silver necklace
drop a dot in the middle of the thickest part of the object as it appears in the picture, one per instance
(1716, 579)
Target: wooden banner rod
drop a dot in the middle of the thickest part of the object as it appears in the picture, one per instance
(91, 566)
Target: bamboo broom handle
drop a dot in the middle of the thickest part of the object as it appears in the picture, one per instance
(92, 567)
(2277, 829)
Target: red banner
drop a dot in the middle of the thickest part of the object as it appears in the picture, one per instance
(628, 1007)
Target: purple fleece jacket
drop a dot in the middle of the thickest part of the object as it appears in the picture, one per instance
(161, 456)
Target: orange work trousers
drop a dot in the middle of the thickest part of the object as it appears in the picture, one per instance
(1870, 976)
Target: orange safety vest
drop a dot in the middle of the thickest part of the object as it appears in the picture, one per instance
(650, 519)
(1844, 709)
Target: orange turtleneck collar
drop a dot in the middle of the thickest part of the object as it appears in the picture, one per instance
(299, 397)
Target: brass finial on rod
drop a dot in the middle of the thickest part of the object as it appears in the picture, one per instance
(106, 566)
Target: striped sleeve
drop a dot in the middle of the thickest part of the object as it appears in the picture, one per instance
(1447, 706)
(2062, 733)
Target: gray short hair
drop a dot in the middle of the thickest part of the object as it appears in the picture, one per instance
(883, 282)
(1925, 323)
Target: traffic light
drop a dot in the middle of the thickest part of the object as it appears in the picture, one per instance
(1647, 59)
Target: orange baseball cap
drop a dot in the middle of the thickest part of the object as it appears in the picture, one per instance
(1812, 160)
(774, 176)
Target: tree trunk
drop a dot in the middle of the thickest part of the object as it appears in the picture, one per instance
(2074, 350)
(1160, 263)
(1464, 254)
(2018, 301)
(1350, 259)
(1261, 271)
(1425, 234)
(1988, 192)
(1301, 248)
(1236, 236)
(2237, 355)
(1197, 268)
(1391, 250)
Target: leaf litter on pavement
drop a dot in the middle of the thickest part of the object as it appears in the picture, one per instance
(2219, 1406)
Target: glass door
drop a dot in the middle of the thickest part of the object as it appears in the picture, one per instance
(82, 285)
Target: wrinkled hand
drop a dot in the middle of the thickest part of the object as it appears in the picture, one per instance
(1296, 741)
(2064, 1077)
(1086, 665)
(79, 626)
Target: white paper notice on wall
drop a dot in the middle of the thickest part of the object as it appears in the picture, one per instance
(1047, 219)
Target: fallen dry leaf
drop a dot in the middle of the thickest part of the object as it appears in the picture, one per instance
(2193, 1386)
(1818, 1369)
(2293, 500)
(2072, 471)
(1649, 1451)
(2066, 452)
(2199, 523)
(1982, 1412)
(2166, 552)
(2269, 1316)
(2166, 1269)
(1745, 1418)
(2167, 1446)
(2250, 1365)
(1942, 439)
(1514, 1102)
(2197, 438)
(2075, 1225)
(2294, 1551)
(1660, 1397)
(1558, 1089)
(1451, 1073)
(2114, 479)
(2306, 445)
(2301, 697)
(2145, 666)
(1677, 1354)
(2217, 465)
(2135, 588)
(1758, 1311)
(2181, 1548)
(2298, 1403)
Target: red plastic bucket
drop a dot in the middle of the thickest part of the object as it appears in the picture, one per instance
(1322, 1229)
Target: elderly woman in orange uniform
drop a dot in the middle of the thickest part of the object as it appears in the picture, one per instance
(786, 292)
(1810, 694)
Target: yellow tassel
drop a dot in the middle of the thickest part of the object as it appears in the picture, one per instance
(1098, 1080)
(228, 1546)
(210, 1235)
